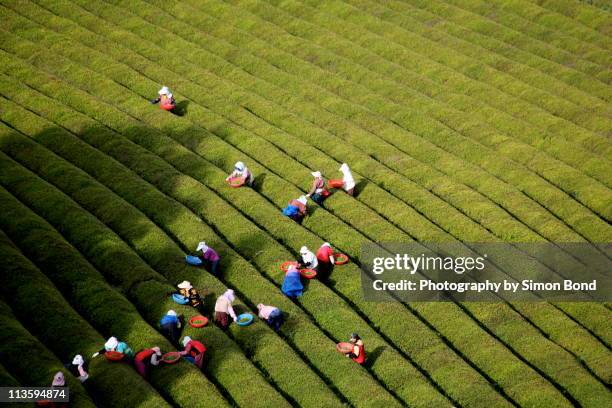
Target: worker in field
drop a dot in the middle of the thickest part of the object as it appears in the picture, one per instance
(271, 315)
(78, 369)
(186, 290)
(224, 309)
(358, 354)
(145, 359)
(209, 257)
(318, 192)
(325, 256)
(171, 325)
(307, 260)
(165, 99)
(194, 350)
(292, 284)
(347, 179)
(296, 209)
(242, 172)
(58, 380)
(112, 344)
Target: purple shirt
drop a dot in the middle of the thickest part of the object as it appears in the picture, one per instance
(210, 255)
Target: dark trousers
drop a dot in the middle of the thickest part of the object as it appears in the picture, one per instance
(275, 320)
(212, 266)
(172, 332)
(324, 270)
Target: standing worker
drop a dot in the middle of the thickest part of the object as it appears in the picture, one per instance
(170, 325)
(146, 359)
(318, 192)
(224, 309)
(348, 182)
(194, 350)
(209, 257)
(325, 256)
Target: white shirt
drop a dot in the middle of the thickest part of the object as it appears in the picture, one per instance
(347, 178)
(310, 260)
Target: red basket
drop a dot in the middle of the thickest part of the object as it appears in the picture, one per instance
(308, 273)
(335, 183)
(171, 357)
(236, 182)
(341, 259)
(285, 265)
(114, 356)
(198, 321)
(345, 347)
(167, 107)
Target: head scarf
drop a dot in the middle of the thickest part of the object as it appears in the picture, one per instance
(78, 360)
(184, 285)
(171, 313)
(239, 166)
(202, 246)
(303, 199)
(58, 380)
(355, 337)
(111, 343)
(229, 295)
(326, 244)
(186, 340)
(157, 350)
(316, 174)
(164, 91)
(304, 250)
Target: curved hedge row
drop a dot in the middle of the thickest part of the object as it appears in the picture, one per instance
(103, 306)
(38, 367)
(123, 150)
(49, 316)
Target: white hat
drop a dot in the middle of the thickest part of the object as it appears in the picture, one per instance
(239, 166)
(58, 380)
(111, 343)
(171, 313)
(78, 360)
(157, 350)
(229, 295)
(304, 250)
(303, 199)
(164, 91)
(326, 244)
(316, 174)
(202, 246)
(186, 340)
(184, 285)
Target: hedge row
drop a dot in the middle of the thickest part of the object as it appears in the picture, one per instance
(58, 326)
(167, 258)
(7, 380)
(584, 127)
(555, 201)
(181, 383)
(358, 86)
(516, 46)
(513, 29)
(227, 366)
(348, 377)
(36, 368)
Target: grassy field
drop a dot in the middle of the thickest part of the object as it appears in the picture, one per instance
(464, 121)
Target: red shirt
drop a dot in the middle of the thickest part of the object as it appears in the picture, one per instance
(324, 253)
(360, 359)
(194, 348)
(144, 355)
